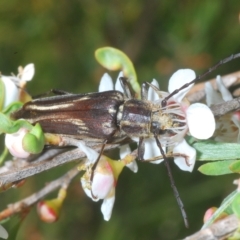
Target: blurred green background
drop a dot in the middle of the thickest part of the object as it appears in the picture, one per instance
(60, 38)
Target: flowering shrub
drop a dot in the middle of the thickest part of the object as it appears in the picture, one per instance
(181, 127)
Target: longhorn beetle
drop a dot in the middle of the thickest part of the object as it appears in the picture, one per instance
(111, 116)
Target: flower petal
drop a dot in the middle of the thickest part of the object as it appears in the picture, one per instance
(226, 95)
(152, 95)
(14, 143)
(212, 96)
(106, 83)
(85, 186)
(178, 79)
(151, 150)
(3, 232)
(11, 91)
(201, 122)
(102, 184)
(28, 72)
(118, 85)
(124, 151)
(107, 207)
(91, 154)
(184, 148)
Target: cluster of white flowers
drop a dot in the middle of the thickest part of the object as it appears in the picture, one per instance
(14, 86)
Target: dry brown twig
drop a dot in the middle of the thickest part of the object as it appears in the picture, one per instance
(222, 229)
(34, 198)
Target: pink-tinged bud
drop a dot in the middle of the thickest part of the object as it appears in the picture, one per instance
(14, 143)
(209, 213)
(49, 210)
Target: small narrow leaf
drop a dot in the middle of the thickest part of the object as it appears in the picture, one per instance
(12, 107)
(2, 94)
(224, 206)
(212, 151)
(216, 168)
(235, 166)
(114, 59)
(9, 126)
(236, 205)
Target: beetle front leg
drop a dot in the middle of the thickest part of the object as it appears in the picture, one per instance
(126, 87)
(141, 149)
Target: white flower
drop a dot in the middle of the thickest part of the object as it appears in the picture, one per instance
(14, 84)
(227, 126)
(103, 184)
(14, 143)
(200, 120)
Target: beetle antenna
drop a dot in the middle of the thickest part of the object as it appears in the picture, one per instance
(176, 193)
(223, 61)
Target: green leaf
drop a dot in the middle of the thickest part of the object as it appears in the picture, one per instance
(114, 59)
(235, 166)
(2, 94)
(9, 126)
(224, 206)
(236, 205)
(216, 168)
(12, 107)
(212, 151)
(3, 155)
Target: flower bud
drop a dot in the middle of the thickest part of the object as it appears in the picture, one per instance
(14, 143)
(49, 210)
(209, 213)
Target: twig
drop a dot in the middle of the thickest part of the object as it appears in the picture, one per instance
(226, 107)
(34, 198)
(38, 167)
(218, 231)
(197, 92)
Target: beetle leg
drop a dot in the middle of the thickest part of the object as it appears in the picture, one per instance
(169, 155)
(141, 149)
(60, 92)
(126, 87)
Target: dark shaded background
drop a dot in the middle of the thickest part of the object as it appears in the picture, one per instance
(60, 37)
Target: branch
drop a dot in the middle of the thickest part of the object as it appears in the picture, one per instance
(220, 230)
(39, 166)
(225, 107)
(34, 198)
(197, 92)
